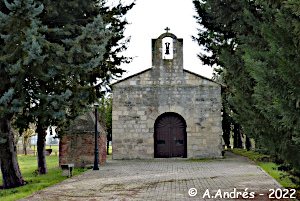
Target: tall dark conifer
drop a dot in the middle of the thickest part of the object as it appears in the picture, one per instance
(17, 19)
(56, 59)
(85, 38)
(257, 44)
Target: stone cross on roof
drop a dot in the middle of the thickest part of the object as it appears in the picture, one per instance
(167, 29)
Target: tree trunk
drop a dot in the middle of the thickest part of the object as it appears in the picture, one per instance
(11, 174)
(226, 131)
(25, 145)
(107, 147)
(41, 151)
(226, 124)
(240, 141)
(237, 136)
(248, 143)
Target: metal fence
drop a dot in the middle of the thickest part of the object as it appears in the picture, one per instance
(52, 150)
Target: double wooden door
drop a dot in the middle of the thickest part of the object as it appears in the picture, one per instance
(170, 136)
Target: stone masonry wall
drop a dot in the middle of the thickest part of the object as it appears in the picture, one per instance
(137, 107)
(77, 146)
(166, 87)
(79, 149)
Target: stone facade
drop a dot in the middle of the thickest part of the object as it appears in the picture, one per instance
(77, 146)
(166, 88)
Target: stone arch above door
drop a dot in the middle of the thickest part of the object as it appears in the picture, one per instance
(170, 138)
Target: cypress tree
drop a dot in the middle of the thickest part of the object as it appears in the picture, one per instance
(276, 70)
(257, 44)
(226, 118)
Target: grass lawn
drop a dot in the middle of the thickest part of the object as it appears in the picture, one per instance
(271, 168)
(55, 148)
(28, 166)
(280, 176)
(255, 156)
(110, 150)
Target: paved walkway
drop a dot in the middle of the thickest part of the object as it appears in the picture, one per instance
(164, 179)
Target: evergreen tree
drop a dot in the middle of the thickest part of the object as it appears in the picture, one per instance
(82, 60)
(66, 52)
(17, 19)
(226, 118)
(256, 43)
(105, 117)
(275, 68)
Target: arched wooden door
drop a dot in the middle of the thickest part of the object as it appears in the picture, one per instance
(170, 136)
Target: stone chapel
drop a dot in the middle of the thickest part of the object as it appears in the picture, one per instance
(166, 111)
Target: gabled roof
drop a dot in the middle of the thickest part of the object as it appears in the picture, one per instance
(85, 124)
(139, 73)
(200, 76)
(131, 76)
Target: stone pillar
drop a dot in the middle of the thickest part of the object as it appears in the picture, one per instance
(77, 146)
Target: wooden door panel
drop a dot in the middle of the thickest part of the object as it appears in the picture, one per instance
(170, 136)
(162, 142)
(178, 141)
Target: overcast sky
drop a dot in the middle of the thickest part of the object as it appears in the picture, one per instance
(148, 19)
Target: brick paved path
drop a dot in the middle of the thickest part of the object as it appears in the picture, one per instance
(163, 179)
